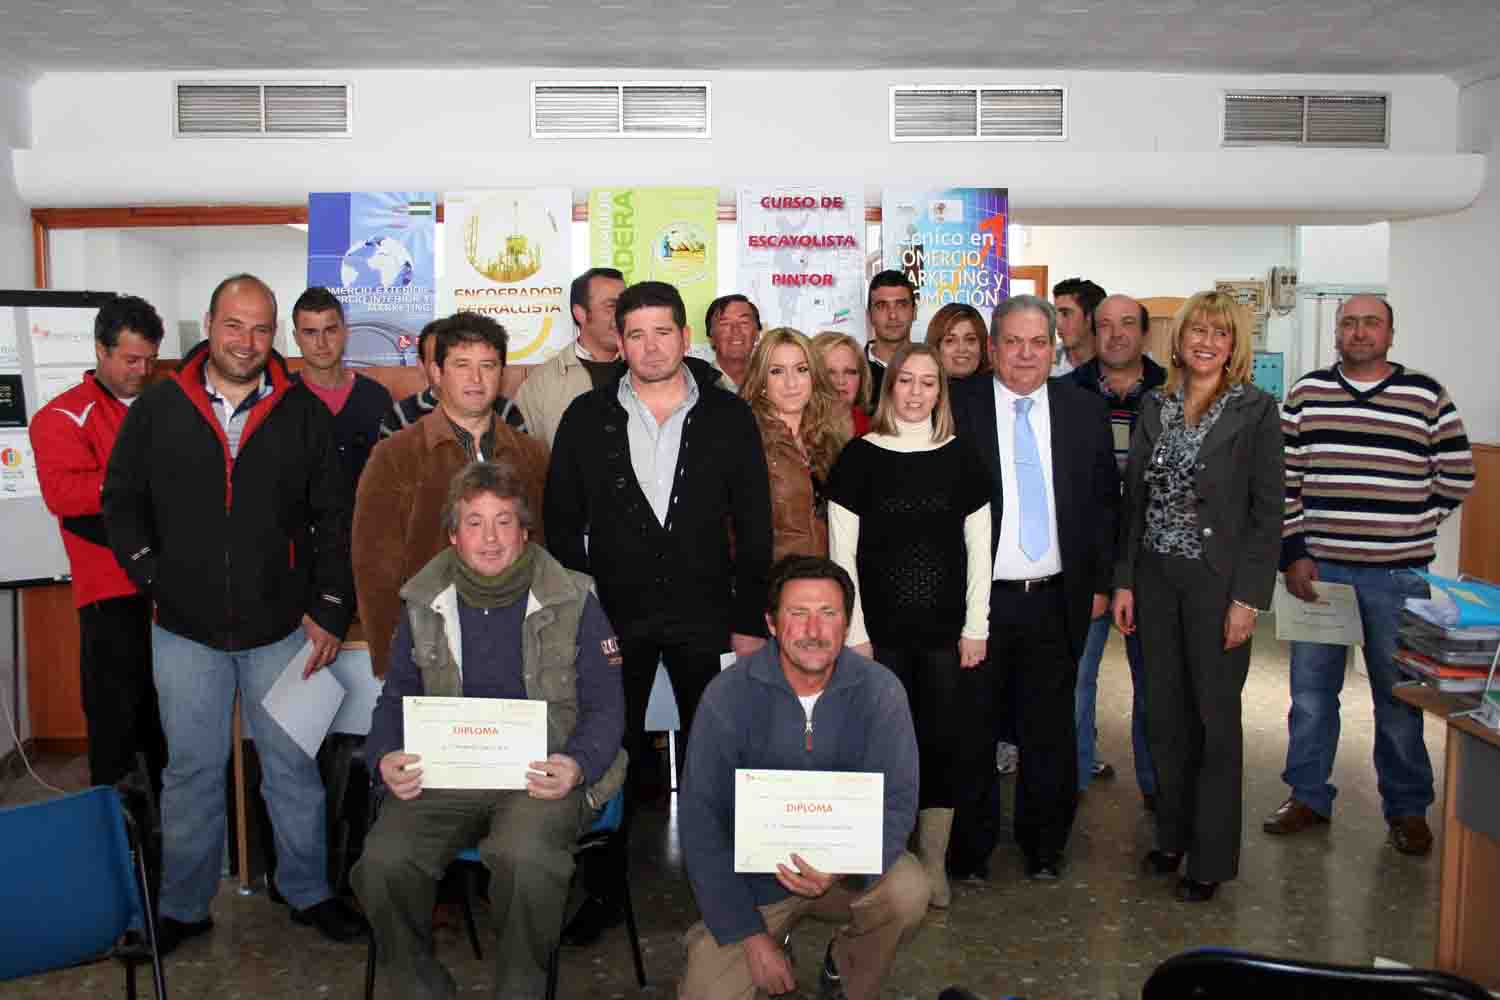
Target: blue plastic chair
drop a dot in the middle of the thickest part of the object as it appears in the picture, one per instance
(606, 826)
(70, 888)
(1210, 973)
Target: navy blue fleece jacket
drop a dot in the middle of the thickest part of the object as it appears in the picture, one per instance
(749, 717)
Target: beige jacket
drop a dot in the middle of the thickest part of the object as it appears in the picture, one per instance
(548, 391)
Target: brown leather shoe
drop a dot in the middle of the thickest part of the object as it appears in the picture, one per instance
(1292, 817)
(1410, 835)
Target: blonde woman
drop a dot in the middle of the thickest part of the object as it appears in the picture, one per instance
(803, 426)
(909, 511)
(1200, 531)
(849, 373)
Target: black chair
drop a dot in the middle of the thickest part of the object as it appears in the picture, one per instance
(1212, 973)
(471, 870)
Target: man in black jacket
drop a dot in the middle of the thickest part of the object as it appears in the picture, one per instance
(650, 475)
(226, 503)
(1054, 495)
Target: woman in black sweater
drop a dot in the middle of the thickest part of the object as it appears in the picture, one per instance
(909, 519)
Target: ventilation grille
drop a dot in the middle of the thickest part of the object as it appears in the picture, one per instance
(938, 113)
(619, 110)
(262, 109)
(1281, 119)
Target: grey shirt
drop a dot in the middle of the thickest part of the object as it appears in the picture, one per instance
(231, 417)
(653, 446)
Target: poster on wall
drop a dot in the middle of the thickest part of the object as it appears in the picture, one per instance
(10, 351)
(17, 467)
(951, 243)
(801, 256)
(61, 336)
(660, 234)
(374, 251)
(507, 255)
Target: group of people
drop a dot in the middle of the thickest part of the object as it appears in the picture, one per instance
(914, 549)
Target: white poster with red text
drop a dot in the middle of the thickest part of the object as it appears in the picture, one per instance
(801, 256)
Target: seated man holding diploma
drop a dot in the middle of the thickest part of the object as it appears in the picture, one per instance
(803, 702)
(491, 616)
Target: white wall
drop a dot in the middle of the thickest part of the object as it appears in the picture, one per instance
(15, 272)
(1442, 272)
(1145, 261)
(284, 269)
(1142, 143)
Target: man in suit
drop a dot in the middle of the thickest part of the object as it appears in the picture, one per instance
(1054, 494)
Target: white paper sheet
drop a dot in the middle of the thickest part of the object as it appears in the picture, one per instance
(1333, 619)
(361, 691)
(485, 743)
(304, 708)
(832, 819)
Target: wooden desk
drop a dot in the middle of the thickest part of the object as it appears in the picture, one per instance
(1469, 901)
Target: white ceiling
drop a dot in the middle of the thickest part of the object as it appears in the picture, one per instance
(1458, 37)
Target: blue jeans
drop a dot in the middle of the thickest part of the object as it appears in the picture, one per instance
(1402, 768)
(1086, 696)
(195, 685)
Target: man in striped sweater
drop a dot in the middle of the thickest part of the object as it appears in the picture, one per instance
(1376, 458)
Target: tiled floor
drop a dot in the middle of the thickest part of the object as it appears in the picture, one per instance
(1335, 894)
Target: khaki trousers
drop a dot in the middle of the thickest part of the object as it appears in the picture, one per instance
(527, 845)
(874, 923)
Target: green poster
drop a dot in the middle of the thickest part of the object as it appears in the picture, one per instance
(660, 234)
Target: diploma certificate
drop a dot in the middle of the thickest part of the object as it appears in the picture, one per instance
(833, 819)
(482, 743)
(1333, 619)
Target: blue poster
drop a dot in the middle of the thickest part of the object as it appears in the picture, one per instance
(951, 243)
(374, 251)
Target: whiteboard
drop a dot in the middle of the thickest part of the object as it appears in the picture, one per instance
(48, 348)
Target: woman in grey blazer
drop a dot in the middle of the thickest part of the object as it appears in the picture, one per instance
(1200, 531)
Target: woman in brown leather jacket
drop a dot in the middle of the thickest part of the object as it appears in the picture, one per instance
(803, 426)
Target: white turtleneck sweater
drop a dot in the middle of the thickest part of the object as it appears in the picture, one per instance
(843, 540)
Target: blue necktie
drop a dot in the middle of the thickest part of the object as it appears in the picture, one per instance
(1036, 534)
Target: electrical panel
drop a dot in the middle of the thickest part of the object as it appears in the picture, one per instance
(1283, 289)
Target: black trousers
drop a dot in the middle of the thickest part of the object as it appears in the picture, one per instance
(1195, 730)
(1028, 654)
(947, 710)
(118, 694)
(691, 656)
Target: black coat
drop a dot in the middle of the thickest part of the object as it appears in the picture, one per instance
(681, 577)
(1240, 482)
(232, 551)
(1085, 486)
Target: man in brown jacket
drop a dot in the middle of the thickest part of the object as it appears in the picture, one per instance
(397, 522)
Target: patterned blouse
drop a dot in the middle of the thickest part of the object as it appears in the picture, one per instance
(1171, 492)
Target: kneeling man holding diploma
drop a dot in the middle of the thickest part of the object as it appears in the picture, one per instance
(801, 777)
(499, 726)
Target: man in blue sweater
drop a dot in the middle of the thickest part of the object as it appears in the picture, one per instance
(802, 702)
(492, 616)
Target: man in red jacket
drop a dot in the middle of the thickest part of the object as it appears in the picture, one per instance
(72, 437)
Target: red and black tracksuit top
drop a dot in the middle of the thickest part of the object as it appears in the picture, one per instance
(234, 550)
(72, 437)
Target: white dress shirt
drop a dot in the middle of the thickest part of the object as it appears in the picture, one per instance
(1010, 562)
